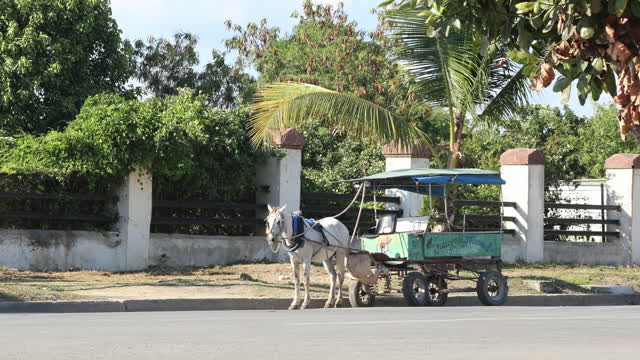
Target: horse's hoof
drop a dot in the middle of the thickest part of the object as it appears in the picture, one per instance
(338, 304)
(304, 306)
(293, 307)
(327, 304)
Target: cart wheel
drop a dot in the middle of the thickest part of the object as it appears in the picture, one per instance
(414, 289)
(492, 288)
(435, 284)
(361, 295)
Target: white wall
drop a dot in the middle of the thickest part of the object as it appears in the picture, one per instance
(410, 203)
(134, 211)
(282, 176)
(197, 250)
(61, 250)
(525, 186)
(584, 253)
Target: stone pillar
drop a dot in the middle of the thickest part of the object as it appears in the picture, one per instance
(398, 158)
(623, 184)
(523, 172)
(278, 180)
(134, 210)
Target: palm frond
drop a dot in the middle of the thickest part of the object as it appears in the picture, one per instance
(507, 98)
(446, 65)
(279, 106)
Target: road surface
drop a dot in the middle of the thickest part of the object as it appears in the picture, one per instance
(540, 333)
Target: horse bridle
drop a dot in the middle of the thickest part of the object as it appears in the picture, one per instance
(279, 220)
(278, 236)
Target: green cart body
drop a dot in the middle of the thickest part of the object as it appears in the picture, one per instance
(421, 247)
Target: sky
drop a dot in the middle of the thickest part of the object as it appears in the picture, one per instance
(139, 19)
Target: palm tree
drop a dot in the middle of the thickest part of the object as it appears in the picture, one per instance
(453, 69)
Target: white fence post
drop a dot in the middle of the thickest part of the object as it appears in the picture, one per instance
(398, 158)
(523, 172)
(282, 176)
(623, 183)
(134, 210)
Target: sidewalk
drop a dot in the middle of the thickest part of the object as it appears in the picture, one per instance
(281, 304)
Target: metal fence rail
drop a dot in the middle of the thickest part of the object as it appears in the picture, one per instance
(65, 211)
(552, 232)
(205, 217)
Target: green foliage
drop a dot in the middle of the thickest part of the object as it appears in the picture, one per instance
(328, 158)
(176, 137)
(574, 147)
(553, 131)
(590, 42)
(54, 55)
(327, 50)
(291, 105)
(598, 140)
(166, 66)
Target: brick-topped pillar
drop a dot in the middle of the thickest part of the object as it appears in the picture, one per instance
(411, 157)
(623, 189)
(523, 172)
(282, 176)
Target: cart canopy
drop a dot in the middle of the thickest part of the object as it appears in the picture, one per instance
(431, 181)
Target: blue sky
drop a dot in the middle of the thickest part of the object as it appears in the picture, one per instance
(163, 18)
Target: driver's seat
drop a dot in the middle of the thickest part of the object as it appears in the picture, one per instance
(386, 224)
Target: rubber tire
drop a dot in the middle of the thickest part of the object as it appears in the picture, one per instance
(355, 296)
(442, 284)
(408, 286)
(482, 288)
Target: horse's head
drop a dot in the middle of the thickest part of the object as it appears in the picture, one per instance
(275, 225)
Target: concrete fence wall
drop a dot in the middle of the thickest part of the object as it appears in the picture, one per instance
(523, 170)
(133, 247)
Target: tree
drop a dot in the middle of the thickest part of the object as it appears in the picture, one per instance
(54, 55)
(164, 67)
(328, 50)
(451, 68)
(592, 42)
(456, 71)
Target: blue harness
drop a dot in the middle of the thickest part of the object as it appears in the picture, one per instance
(299, 229)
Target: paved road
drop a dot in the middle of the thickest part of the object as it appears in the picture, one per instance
(376, 333)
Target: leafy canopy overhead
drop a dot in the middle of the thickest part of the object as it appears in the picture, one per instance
(165, 66)
(588, 41)
(53, 55)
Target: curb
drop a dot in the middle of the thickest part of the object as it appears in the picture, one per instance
(282, 304)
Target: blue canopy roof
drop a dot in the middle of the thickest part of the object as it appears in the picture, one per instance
(430, 180)
(493, 179)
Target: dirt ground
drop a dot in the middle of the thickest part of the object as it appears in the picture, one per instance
(259, 280)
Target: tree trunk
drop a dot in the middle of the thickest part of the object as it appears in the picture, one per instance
(456, 146)
(455, 158)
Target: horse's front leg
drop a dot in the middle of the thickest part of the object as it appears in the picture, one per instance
(306, 265)
(341, 259)
(296, 284)
(328, 265)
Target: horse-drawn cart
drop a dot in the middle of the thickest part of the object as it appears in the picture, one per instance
(425, 262)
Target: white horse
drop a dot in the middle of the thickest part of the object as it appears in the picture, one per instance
(280, 231)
